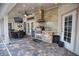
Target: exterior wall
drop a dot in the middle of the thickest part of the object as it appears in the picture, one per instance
(63, 9)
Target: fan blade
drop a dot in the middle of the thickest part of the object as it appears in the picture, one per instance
(25, 13)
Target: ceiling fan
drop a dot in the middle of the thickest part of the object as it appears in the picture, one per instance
(25, 13)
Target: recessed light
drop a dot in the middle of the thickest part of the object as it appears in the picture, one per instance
(55, 3)
(32, 7)
(24, 5)
(40, 4)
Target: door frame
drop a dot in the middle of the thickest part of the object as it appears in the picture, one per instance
(73, 35)
(9, 30)
(30, 29)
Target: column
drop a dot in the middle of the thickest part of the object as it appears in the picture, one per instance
(1, 29)
(6, 34)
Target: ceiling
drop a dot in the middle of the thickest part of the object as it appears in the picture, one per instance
(1, 6)
(29, 7)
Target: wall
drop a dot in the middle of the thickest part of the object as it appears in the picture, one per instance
(63, 9)
(11, 21)
(14, 25)
(77, 38)
(51, 16)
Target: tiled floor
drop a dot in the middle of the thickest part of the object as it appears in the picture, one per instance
(3, 50)
(28, 47)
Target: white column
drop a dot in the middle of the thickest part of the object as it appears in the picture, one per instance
(6, 34)
(25, 20)
(0, 28)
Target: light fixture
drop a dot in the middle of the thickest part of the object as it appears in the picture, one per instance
(32, 7)
(24, 5)
(40, 4)
(25, 15)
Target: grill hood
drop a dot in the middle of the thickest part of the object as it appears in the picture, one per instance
(41, 15)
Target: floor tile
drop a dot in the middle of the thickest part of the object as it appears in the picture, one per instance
(28, 47)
